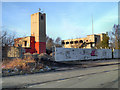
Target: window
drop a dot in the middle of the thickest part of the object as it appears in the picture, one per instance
(63, 43)
(71, 42)
(41, 17)
(25, 43)
(81, 41)
(95, 40)
(67, 42)
(76, 42)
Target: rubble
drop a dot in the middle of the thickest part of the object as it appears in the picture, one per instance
(27, 65)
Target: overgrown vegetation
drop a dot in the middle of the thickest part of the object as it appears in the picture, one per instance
(29, 64)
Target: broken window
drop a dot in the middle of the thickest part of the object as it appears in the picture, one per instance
(41, 17)
(81, 41)
(63, 43)
(67, 42)
(76, 42)
(71, 42)
(96, 40)
(25, 43)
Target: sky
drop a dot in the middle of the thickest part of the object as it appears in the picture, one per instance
(64, 19)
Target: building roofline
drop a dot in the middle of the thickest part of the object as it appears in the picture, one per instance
(24, 37)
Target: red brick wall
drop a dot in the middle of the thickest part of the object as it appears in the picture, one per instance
(32, 46)
(40, 47)
(35, 47)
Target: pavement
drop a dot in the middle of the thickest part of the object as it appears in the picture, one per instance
(107, 79)
(87, 64)
(49, 79)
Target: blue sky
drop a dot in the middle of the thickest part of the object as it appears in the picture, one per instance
(64, 19)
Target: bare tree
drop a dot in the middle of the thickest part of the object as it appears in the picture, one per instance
(7, 38)
(58, 40)
(50, 43)
(115, 37)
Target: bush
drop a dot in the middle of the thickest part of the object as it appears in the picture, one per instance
(35, 55)
(43, 56)
(28, 56)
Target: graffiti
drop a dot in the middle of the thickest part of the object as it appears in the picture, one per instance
(82, 52)
(104, 53)
(93, 53)
(85, 57)
(67, 54)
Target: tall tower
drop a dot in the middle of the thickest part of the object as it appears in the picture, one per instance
(38, 30)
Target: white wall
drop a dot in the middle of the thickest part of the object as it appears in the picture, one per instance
(70, 54)
(116, 53)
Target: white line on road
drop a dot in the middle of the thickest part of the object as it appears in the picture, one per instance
(79, 77)
(43, 84)
(62, 80)
(29, 86)
(39, 84)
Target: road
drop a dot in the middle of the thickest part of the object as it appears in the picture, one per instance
(104, 79)
(94, 77)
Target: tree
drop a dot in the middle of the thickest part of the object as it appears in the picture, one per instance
(115, 37)
(58, 40)
(7, 39)
(104, 43)
(49, 43)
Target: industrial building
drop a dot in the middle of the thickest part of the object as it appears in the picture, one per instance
(36, 43)
(88, 42)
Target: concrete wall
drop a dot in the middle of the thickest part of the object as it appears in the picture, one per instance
(69, 54)
(38, 29)
(21, 42)
(90, 39)
(38, 26)
(15, 52)
(116, 53)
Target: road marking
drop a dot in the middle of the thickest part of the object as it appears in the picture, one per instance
(62, 80)
(43, 84)
(30, 86)
(39, 84)
(79, 77)
(59, 81)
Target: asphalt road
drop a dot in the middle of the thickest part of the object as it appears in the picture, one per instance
(101, 77)
(107, 79)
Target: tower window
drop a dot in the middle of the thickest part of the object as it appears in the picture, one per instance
(41, 17)
(67, 42)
